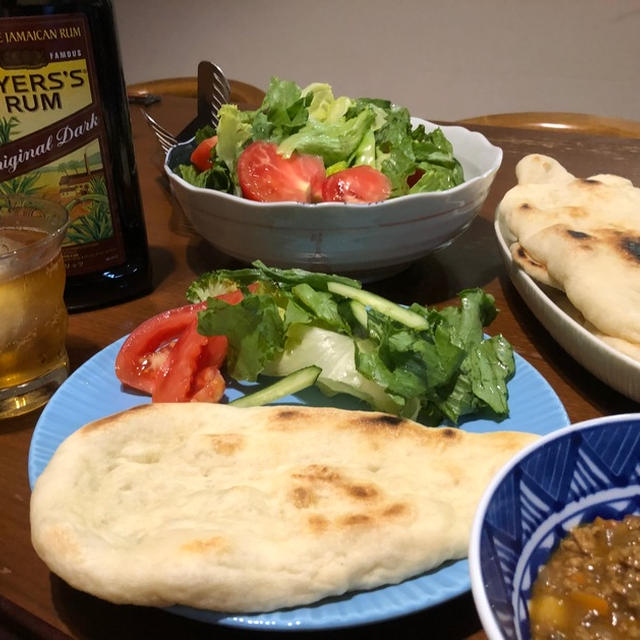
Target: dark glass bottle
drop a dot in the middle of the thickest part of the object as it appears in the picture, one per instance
(65, 134)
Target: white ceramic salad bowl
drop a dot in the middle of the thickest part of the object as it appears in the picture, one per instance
(368, 241)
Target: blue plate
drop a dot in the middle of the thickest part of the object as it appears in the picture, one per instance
(93, 391)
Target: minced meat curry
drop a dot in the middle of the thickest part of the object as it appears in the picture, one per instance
(590, 588)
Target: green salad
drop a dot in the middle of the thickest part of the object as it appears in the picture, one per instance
(409, 361)
(340, 134)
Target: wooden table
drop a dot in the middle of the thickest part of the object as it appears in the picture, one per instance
(36, 604)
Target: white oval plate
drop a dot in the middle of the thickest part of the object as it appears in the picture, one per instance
(93, 392)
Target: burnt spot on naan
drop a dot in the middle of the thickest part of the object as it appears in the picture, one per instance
(315, 478)
(397, 509)
(226, 444)
(287, 418)
(537, 270)
(372, 511)
(388, 513)
(303, 497)
(589, 181)
(318, 472)
(354, 519)
(622, 243)
(383, 420)
(447, 433)
(524, 259)
(361, 491)
(287, 414)
(630, 246)
(440, 438)
(578, 235)
(216, 543)
(542, 216)
(317, 523)
(375, 422)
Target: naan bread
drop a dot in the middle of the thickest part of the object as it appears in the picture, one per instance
(538, 169)
(598, 270)
(536, 269)
(231, 509)
(631, 349)
(546, 194)
(583, 238)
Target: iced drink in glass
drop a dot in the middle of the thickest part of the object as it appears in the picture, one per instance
(33, 316)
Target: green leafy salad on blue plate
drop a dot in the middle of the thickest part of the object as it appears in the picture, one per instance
(409, 361)
(305, 145)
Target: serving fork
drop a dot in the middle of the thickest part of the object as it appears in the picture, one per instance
(214, 90)
(165, 138)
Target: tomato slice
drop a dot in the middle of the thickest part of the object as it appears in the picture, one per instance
(209, 385)
(356, 185)
(192, 354)
(166, 357)
(201, 155)
(266, 176)
(144, 354)
(232, 297)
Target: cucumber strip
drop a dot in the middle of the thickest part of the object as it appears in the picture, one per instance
(391, 309)
(359, 313)
(296, 381)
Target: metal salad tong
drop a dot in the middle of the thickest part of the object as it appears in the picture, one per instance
(213, 91)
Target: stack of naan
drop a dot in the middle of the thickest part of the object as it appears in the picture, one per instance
(254, 509)
(581, 236)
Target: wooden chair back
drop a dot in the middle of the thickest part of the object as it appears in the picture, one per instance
(568, 122)
(241, 93)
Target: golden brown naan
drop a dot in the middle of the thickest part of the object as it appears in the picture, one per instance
(631, 349)
(599, 271)
(254, 509)
(581, 236)
(542, 199)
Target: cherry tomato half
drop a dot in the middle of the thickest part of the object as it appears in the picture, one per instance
(201, 155)
(356, 185)
(266, 176)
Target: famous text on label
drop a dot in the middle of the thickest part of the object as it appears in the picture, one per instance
(52, 135)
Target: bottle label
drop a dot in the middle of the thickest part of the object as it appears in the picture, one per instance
(52, 137)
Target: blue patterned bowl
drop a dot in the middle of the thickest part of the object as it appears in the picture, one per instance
(568, 477)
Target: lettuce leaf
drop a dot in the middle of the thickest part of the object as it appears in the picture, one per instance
(334, 353)
(333, 141)
(323, 106)
(234, 131)
(218, 177)
(284, 110)
(254, 329)
(434, 155)
(438, 364)
(344, 132)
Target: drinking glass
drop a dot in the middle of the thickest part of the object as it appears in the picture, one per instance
(33, 315)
